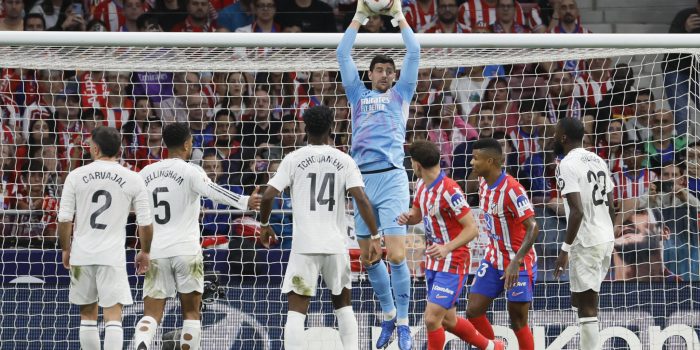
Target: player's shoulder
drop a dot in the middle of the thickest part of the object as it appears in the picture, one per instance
(512, 181)
(450, 185)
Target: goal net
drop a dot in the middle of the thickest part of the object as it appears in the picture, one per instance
(243, 97)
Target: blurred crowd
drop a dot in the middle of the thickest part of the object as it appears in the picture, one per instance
(244, 123)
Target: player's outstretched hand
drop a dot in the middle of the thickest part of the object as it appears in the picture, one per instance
(255, 199)
(66, 259)
(267, 236)
(403, 218)
(437, 251)
(143, 262)
(561, 264)
(362, 14)
(395, 12)
(511, 275)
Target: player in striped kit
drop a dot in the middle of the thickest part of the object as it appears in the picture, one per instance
(449, 227)
(510, 263)
(379, 119)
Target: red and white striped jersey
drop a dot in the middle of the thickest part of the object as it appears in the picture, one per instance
(111, 13)
(475, 11)
(627, 186)
(418, 19)
(593, 91)
(438, 27)
(504, 207)
(525, 144)
(442, 205)
(93, 91)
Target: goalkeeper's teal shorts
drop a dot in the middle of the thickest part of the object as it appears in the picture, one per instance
(388, 193)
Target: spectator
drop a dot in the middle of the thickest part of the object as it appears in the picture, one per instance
(291, 138)
(313, 90)
(595, 82)
(111, 13)
(93, 89)
(638, 253)
(232, 93)
(663, 147)
(447, 130)
(55, 168)
(375, 24)
(505, 19)
(173, 109)
(34, 22)
(158, 87)
(672, 189)
(227, 144)
(48, 10)
(261, 127)
(148, 22)
(341, 128)
(133, 9)
(527, 136)
(693, 164)
(198, 18)
(424, 96)
(462, 158)
(49, 86)
(561, 102)
(119, 106)
(634, 180)
(153, 150)
(40, 225)
(420, 14)
(497, 95)
(198, 118)
(619, 101)
(644, 107)
(264, 22)
(609, 146)
(7, 178)
(237, 15)
(96, 25)
(79, 149)
(170, 12)
(14, 12)
(566, 19)
(482, 13)
(41, 132)
(468, 88)
(71, 17)
(446, 21)
(216, 223)
(318, 16)
(680, 74)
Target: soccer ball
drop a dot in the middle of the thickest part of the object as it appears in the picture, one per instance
(378, 6)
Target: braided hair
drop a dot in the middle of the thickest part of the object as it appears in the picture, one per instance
(318, 120)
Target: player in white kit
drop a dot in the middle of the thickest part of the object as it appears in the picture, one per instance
(319, 176)
(176, 187)
(97, 199)
(584, 180)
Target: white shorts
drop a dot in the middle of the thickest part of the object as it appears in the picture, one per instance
(302, 273)
(102, 284)
(178, 274)
(588, 266)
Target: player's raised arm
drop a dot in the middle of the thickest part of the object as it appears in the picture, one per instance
(206, 188)
(348, 70)
(408, 79)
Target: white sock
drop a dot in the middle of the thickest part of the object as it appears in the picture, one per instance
(114, 336)
(388, 316)
(191, 330)
(294, 331)
(89, 335)
(402, 321)
(144, 333)
(589, 333)
(347, 327)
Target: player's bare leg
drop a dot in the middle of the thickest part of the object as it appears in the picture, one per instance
(298, 305)
(114, 333)
(466, 331)
(518, 312)
(347, 323)
(476, 314)
(191, 304)
(89, 333)
(148, 324)
(434, 314)
(587, 305)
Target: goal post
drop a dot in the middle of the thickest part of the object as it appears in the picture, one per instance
(243, 95)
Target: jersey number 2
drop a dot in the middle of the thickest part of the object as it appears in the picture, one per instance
(327, 183)
(598, 179)
(165, 204)
(108, 203)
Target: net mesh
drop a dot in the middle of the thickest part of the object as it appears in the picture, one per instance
(244, 107)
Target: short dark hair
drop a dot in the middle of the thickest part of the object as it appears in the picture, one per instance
(176, 134)
(318, 120)
(34, 15)
(381, 59)
(488, 144)
(646, 92)
(107, 139)
(145, 19)
(572, 128)
(426, 153)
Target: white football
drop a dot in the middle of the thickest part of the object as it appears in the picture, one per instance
(378, 6)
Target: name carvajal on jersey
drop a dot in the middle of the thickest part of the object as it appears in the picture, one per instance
(164, 174)
(104, 175)
(305, 163)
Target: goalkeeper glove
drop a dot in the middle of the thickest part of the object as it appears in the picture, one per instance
(362, 13)
(395, 12)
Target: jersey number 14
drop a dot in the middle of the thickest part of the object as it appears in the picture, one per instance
(327, 186)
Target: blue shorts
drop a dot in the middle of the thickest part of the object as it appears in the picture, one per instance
(488, 282)
(388, 193)
(444, 288)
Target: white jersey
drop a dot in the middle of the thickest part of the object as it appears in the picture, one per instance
(585, 172)
(319, 177)
(175, 189)
(100, 196)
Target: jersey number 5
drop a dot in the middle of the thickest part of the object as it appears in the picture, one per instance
(597, 180)
(156, 203)
(327, 183)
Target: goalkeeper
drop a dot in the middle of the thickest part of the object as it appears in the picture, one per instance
(379, 120)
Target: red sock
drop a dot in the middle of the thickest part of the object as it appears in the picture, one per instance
(525, 339)
(483, 325)
(436, 339)
(465, 330)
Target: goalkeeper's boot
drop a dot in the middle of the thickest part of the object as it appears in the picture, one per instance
(387, 330)
(404, 335)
